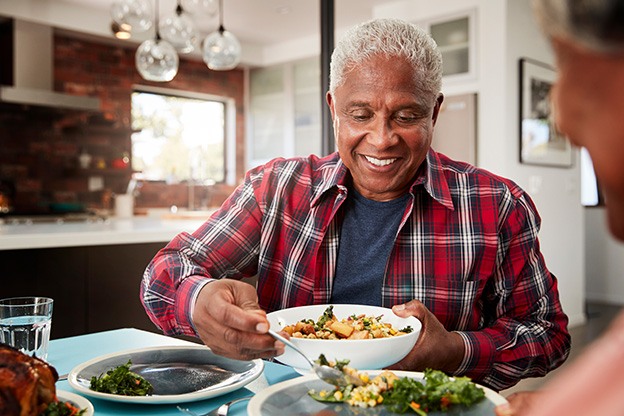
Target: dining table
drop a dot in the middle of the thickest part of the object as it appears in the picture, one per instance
(67, 353)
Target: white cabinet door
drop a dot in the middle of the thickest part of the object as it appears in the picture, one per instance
(284, 111)
(455, 133)
(456, 39)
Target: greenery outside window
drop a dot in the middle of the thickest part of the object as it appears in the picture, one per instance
(178, 138)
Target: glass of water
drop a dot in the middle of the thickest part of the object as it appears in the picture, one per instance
(25, 324)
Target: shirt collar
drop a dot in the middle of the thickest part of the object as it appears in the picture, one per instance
(434, 180)
(336, 176)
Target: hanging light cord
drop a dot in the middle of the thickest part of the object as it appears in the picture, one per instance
(156, 23)
(221, 28)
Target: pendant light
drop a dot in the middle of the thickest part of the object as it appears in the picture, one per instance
(156, 60)
(132, 15)
(119, 31)
(179, 30)
(221, 50)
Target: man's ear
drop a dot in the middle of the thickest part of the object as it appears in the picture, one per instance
(330, 102)
(436, 108)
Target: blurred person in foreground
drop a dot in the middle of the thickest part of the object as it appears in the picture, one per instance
(383, 221)
(588, 40)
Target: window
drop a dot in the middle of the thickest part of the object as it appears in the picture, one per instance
(590, 189)
(178, 138)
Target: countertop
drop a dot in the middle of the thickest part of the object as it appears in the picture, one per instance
(137, 229)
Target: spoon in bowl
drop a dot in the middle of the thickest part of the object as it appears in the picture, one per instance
(324, 372)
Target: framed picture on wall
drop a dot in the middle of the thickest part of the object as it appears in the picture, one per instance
(540, 141)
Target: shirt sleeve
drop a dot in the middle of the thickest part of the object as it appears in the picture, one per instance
(226, 245)
(525, 330)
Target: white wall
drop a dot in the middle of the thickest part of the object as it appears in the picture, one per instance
(605, 260)
(506, 31)
(558, 199)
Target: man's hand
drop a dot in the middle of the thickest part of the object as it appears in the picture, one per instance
(436, 347)
(229, 320)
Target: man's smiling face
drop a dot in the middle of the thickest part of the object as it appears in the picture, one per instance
(383, 126)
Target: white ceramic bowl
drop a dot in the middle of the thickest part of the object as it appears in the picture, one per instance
(366, 354)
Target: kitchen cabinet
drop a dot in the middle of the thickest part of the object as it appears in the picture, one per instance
(307, 106)
(56, 273)
(267, 115)
(455, 133)
(284, 111)
(456, 39)
(94, 288)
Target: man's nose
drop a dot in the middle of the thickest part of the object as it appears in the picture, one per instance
(382, 134)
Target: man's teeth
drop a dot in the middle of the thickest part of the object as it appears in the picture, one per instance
(380, 162)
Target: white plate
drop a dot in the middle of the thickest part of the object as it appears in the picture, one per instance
(78, 401)
(178, 374)
(291, 397)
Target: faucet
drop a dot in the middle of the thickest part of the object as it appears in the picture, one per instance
(205, 185)
(191, 194)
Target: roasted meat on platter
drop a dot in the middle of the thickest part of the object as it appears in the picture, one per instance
(26, 383)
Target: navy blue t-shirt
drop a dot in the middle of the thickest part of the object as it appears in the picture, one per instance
(368, 232)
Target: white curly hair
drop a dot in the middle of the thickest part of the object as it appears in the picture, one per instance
(391, 38)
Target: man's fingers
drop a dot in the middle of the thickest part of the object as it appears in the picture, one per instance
(233, 316)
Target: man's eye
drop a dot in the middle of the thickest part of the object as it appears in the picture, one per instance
(360, 115)
(406, 118)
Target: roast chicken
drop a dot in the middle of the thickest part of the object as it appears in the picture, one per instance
(27, 384)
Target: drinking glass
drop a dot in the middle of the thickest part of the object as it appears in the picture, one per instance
(25, 324)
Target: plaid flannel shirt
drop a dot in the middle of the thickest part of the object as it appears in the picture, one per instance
(467, 247)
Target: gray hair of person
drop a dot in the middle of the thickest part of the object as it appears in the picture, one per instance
(595, 24)
(392, 38)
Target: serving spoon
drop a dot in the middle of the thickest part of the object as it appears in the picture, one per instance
(324, 372)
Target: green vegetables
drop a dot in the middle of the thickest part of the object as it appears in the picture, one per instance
(407, 329)
(328, 315)
(339, 364)
(62, 409)
(122, 381)
(438, 392)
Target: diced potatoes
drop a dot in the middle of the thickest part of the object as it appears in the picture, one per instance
(341, 329)
(353, 327)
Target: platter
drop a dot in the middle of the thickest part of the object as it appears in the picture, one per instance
(77, 400)
(291, 397)
(178, 374)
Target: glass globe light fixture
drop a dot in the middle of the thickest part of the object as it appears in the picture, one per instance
(179, 31)
(132, 15)
(157, 60)
(221, 50)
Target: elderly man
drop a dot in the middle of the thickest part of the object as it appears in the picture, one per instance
(384, 221)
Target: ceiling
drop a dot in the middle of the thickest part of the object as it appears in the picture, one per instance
(264, 22)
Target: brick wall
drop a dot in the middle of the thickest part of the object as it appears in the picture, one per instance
(39, 147)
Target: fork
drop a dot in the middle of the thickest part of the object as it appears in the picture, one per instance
(219, 411)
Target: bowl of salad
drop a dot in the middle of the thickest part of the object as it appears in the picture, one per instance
(370, 337)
